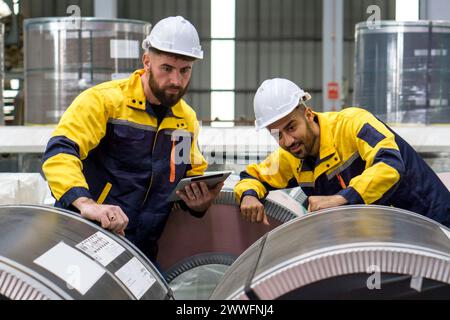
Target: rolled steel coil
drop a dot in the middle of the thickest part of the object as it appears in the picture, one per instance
(350, 252)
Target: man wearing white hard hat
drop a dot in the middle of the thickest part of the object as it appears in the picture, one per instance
(114, 155)
(337, 158)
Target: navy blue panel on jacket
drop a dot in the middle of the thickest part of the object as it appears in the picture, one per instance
(420, 189)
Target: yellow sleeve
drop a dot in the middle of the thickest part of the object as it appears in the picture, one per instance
(79, 131)
(384, 164)
(198, 164)
(275, 172)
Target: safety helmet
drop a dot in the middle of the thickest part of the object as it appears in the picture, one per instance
(175, 35)
(275, 99)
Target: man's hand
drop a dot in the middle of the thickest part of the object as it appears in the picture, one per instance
(111, 217)
(198, 197)
(252, 210)
(323, 202)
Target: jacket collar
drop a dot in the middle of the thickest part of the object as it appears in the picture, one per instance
(327, 146)
(328, 156)
(136, 97)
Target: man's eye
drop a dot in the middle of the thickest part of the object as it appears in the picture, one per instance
(167, 69)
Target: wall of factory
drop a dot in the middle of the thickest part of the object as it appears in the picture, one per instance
(273, 39)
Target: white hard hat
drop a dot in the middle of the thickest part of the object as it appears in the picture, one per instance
(275, 99)
(175, 35)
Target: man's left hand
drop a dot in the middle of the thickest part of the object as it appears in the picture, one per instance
(323, 202)
(198, 197)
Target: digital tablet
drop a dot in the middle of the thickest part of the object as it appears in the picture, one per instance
(211, 178)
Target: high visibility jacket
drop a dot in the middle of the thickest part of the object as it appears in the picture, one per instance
(108, 147)
(361, 159)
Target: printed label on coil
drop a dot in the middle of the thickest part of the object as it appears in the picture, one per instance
(136, 277)
(101, 247)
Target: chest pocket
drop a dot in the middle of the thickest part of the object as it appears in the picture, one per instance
(131, 147)
(128, 133)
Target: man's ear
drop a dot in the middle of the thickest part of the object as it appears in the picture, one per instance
(309, 115)
(146, 60)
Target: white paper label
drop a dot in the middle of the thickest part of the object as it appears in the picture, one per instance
(136, 277)
(416, 283)
(101, 247)
(124, 49)
(72, 266)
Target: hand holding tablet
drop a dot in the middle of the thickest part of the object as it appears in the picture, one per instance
(211, 179)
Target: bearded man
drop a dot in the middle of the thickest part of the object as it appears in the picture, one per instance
(122, 146)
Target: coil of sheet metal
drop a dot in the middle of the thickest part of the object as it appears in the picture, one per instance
(351, 252)
(48, 253)
(196, 252)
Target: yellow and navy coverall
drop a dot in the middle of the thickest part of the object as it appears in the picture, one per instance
(109, 147)
(361, 159)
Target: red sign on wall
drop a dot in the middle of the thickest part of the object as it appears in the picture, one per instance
(333, 91)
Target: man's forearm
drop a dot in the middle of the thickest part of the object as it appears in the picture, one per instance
(81, 202)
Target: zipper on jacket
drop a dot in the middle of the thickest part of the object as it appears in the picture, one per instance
(151, 177)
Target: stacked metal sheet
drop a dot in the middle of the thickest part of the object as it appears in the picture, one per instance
(402, 71)
(64, 56)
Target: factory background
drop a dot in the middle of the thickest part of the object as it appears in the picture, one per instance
(312, 43)
(268, 39)
(391, 57)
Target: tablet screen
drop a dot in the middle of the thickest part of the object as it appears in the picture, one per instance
(199, 178)
(210, 178)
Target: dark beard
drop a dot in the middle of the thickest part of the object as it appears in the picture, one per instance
(166, 99)
(308, 147)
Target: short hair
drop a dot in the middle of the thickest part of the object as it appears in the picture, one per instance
(301, 106)
(171, 54)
